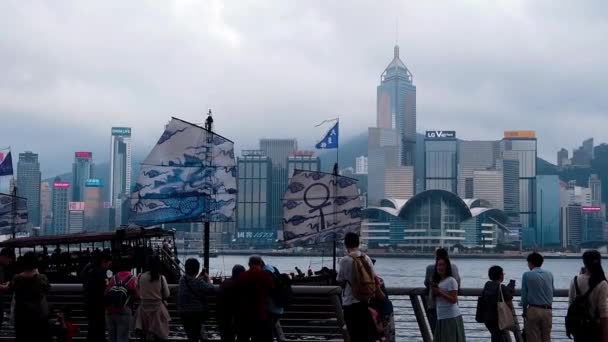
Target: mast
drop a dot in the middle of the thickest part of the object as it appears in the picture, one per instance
(14, 210)
(336, 174)
(208, 127)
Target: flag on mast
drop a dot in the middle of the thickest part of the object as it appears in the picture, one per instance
(6, 164)
(330, 140)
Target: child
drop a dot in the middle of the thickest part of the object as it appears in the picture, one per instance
(62, 325)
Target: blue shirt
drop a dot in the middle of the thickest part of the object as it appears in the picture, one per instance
(537, 287)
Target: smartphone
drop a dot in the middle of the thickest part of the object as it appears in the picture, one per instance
(512, 282)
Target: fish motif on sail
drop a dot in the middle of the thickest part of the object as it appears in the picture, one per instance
(189, 176)
(320, 207)
(7, 213)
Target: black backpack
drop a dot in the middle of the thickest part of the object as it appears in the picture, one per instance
(580, 323)
(282, 293)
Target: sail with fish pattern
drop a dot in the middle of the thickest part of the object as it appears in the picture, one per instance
(189, 176)
(8, 215)
(320, 207)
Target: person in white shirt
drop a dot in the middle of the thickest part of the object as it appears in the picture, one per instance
(450, 326)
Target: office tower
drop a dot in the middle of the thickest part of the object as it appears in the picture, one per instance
(361, 165)
(595, 184)
(592, 224)
(562, 157)
(523, 147)
(28, 185)
(571, 226)
(82, 169)
(588, 147)
(396, 106)
(384, 163)
(46, 207)
(94, 220)
(120, 173)
(441, 161)
(254, 195)
(510, 170)
(474, 156)
(489, 185)
(278, 150)
(61, 197)
(548, 211)
(75, 217)
(581, 157)
(303, 160)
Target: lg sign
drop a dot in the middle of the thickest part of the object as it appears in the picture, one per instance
(440, 134)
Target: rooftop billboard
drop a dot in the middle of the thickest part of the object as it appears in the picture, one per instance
(76, 206)
(92, 182)
(61, 185)
(438, 135)
(520, 134)
(121, 131)
(591, 209)
(88, 155)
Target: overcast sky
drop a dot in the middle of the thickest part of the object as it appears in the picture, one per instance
(69, 70)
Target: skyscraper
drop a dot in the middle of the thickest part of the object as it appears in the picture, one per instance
(509, 164)
(76, 217)
(474, 156)
(441, 161)
(303, 160)
(254, 191)
(94, 220)
(548, 218)
(46, 207)
(82, 169)
(489, 185)
(562, 157)
(120, 171)
(523, 147)
(595, 184)
(384, 166)
(61, 197)
(28, 184)
(396, 106)
(278, 150)
(361, 165)
(571, 225)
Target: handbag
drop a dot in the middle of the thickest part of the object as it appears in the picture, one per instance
(505, 315)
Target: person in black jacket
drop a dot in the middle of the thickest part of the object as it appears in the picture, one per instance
(490, 296)
(94, 279)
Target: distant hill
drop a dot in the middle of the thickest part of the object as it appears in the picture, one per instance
(543, 167)
(349, 151)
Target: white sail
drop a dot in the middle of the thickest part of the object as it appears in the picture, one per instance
(13, 211)
(189, 176)
(320, 207)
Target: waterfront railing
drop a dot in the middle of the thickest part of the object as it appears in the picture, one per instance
(316, 314)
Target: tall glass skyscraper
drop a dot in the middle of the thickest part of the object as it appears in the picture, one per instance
(28, 185)
(396, 106)
(82, 169)
(548, 218)
(254, 192)
(61, 198)
(120, 172)
(523, 147)
(278, 150)
(441, 161)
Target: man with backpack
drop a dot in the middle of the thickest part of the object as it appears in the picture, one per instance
(358, 280)
(587, 318)
(120, 295)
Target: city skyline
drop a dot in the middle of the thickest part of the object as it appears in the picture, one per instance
(534, 77)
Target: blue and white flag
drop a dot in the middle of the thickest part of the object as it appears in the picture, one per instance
(6, 165)
(331, 138)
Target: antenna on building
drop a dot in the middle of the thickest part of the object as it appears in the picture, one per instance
(396, 31)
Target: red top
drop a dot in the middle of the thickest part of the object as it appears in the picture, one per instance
(71, 331)
(131, 285)
(254, 286)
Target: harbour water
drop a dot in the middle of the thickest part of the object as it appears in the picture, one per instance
(406, 272)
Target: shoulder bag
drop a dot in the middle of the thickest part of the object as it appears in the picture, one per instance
(505, 315)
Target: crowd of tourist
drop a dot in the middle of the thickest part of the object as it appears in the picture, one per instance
(126, 303)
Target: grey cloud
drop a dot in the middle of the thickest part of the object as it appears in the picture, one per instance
(267, 68)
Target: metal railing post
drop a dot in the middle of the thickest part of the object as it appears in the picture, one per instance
(423, 323)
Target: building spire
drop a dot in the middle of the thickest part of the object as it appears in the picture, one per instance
(396, 51)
